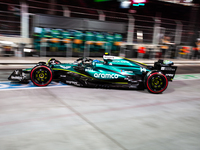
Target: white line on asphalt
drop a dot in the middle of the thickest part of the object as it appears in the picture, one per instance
(34, 88)
(186, 77)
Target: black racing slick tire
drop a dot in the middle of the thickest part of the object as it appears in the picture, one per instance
(156, 82)
(41, 75)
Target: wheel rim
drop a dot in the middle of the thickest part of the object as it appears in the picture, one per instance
(157, 83)
(41, 76)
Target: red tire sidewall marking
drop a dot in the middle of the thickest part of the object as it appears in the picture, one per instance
(41, 67)
(160, 90)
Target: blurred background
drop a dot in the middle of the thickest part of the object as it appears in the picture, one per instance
(131, 28)
(65, 117)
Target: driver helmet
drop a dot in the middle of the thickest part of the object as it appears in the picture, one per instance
(168, 62)
(96, 60)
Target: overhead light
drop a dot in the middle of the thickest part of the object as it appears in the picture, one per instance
(28, 50)
(8, 43)
(125, 4)
(139, 1)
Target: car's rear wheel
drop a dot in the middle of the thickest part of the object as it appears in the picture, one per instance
(41, 75)
(156, 82)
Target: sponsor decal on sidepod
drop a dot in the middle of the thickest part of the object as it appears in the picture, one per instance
(108, 76)
(126, 71)
(65, 67)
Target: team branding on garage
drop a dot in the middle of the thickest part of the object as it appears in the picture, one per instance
(108, 76)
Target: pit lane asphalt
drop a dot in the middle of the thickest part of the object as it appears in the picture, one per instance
(186, 69)
(102, 119)
(73, 118)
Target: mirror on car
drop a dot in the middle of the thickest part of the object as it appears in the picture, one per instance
(93, 64)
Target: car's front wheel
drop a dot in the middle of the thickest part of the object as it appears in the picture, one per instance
(41, 75)
(156, 82)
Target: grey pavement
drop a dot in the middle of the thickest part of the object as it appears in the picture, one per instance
(72, 118)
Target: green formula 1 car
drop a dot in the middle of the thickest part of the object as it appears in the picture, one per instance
(112, 72)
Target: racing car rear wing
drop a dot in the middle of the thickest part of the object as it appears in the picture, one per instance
(166, 68)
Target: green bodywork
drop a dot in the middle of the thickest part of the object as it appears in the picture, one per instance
(117, 68)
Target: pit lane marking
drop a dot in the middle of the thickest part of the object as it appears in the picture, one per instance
(179, 77)
(7, 85)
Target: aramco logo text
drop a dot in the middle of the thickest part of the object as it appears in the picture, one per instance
(107, 76)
